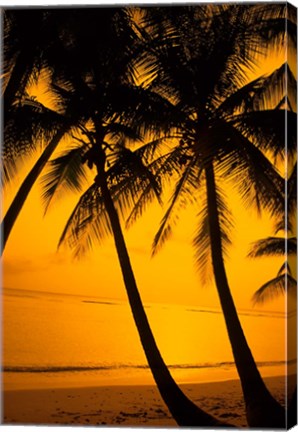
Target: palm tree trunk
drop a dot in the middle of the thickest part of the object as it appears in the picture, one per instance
(22, 194)
(262, 410)
(183, 410)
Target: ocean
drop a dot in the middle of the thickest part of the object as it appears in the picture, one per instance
(52, 339)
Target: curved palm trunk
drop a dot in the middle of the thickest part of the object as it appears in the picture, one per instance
(184, 411)
(22, 194)
(262, 410)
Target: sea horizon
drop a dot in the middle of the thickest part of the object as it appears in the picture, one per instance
(69, 359)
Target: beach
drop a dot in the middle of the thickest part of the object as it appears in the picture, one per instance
(87, 366)
(137, 405)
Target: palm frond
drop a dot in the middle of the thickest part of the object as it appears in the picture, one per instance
(146, 197)
(65, 173)
(145, 110)
(273, 246)
(132, 193)
(202, 242)
(225, 218)
(159, 169)
(280, 285)
(145, 153)
(265, 92)
(256, 179)
(266, 130)
(273, 26)
(154, 149)
(132, 162)
(240, 99)
(202, 245)
(132, 184)
(26, 127)
(114, 130)
(184, 194)
(184, 64)
(87, 224)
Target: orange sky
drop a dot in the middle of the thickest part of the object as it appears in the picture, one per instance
(30, 259)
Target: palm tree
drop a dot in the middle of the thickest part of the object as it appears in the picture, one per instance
(95, 215)
(98, 140)
(62, 54)
(284, 283)
(225, 127)
(27, 51)
(44, 125)
(100, 88)
(285, 246)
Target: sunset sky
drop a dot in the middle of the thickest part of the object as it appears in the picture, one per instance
(32, 262)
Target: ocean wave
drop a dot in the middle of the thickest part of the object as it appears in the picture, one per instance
(110, 367)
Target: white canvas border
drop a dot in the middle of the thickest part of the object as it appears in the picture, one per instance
(53, 3)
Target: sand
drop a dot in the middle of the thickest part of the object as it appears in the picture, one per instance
(124, 405)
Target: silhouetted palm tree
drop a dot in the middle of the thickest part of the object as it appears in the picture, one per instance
(203, 111)
(121, 177)
(21, 140)
(102, 87)
(225, 129)
(287, 244)
(64, 46)
(284, 283)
